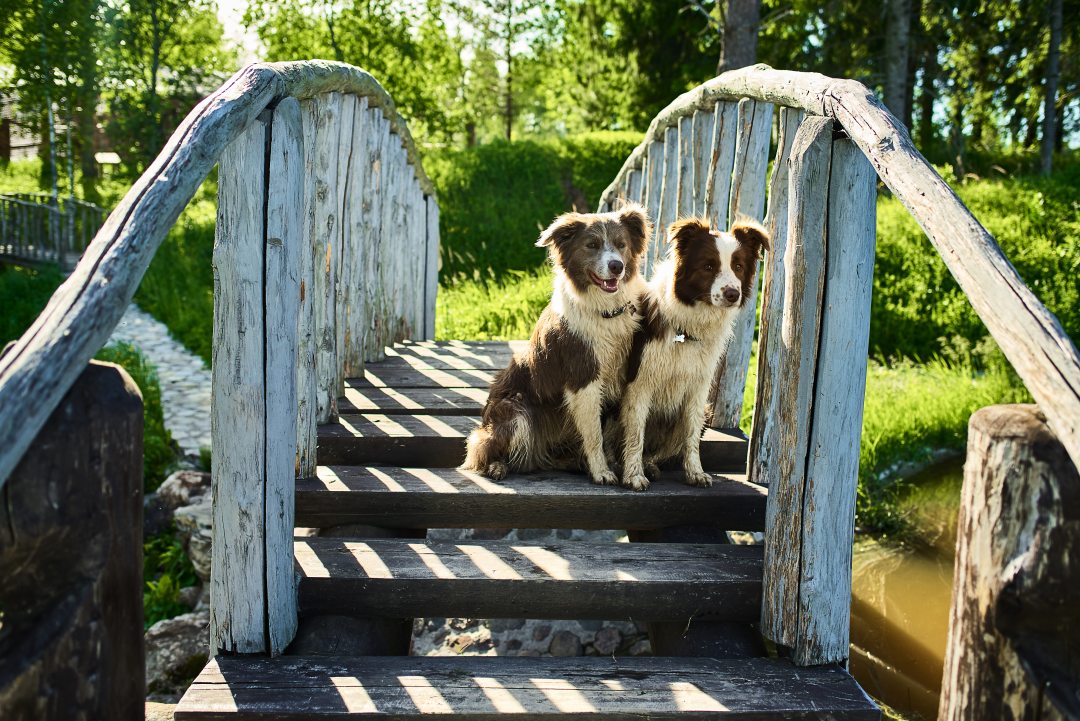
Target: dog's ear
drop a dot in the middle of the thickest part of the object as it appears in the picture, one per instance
(564, 228)
(685, 229)
(751, 234)
(636, 221)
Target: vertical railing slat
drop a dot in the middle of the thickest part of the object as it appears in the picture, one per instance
(373, 196)
(669, 189)
(307, 408)
(685, 188)
(718, 188)
(747, 199)
(634, 186)
(354, 251)
(703, 140)
(238, 413)
(285, 242)
(327, 249)
(761, 465)
(339, 264)
(804, 269)
(431, 211)
(654, 186)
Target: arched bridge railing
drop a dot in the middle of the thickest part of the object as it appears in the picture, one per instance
(40, 228)
(707, 153)
(326, 250)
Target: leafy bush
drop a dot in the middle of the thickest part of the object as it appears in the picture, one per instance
(23, 294)
(495, 198)
(166, 569)
(159, 452)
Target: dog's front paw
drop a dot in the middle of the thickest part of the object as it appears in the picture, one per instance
(636, 481)
(652, 471)
(497, 470)
(604, 478)
(700, 479)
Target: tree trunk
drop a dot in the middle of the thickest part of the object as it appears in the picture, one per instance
(927, 95)
(916, 53)
(1015, 622)
(897, 48)
(1053, 59)
(738, 46)
(508, 112)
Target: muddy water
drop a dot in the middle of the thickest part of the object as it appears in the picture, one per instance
(900, 600)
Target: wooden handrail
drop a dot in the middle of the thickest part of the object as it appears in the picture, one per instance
(38, 369)
(1030, 335)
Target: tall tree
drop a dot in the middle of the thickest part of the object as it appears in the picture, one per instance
(897, 48)
(739, 38)
(1050, 112)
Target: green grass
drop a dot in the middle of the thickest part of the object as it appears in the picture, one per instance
(497, 310)
(23, 294)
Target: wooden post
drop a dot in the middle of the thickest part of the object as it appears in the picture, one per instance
(686, 167)
(747, 200)
(669, 188)
(71, 560)
(306, 390)
(327, 249)
(1015, 622)
(721, 161)
(703, 140)
(634, 186)
(431, 284)
(355, 249)
(767, 395)
(373, 197)
(253, 418)
(654, 184)
(285, 242)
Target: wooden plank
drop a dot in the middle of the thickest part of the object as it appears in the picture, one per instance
(832, 465)
(669, 189)
(327, 249)
(804, 267)
(392, 578)
(479, 687)
(722, 160)
(747, 200)
(352, 312)
(238, 414)
(344, 249)
(306, 403)
(1013, 628)
(374, 190)
(685, 189)
(417, 261)
(402, 378)
(285, 241)
(385, 319)
(431, 267)
(654, 185)
(769, 382)
(439, 441)
(702, 148)
(395, 401)
(448, 498)
(634, 186)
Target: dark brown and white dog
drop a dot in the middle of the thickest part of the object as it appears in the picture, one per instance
(689, 312)
(544, 409)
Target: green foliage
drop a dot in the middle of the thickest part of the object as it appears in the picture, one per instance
(23, 294)
(495, 199)
(916, 301)
(159, 452)
(178, 288)
(501, 310)
(166, 569)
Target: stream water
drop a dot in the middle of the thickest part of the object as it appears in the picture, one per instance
(901, 596)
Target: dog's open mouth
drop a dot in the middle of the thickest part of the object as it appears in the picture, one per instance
(608, 285)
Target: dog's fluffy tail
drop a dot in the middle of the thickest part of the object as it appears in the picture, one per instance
(476, 450)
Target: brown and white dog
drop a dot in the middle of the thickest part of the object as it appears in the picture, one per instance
(544, 409)
(688, 313)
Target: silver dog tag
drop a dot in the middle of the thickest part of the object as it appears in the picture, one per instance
(680, 338)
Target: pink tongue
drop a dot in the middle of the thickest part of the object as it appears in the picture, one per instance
(610, 284)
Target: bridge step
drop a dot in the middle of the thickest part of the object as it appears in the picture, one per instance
(422, 439)
(406, 688)
(447, 498)
(397, 578)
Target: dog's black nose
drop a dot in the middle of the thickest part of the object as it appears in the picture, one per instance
(731, 295)
(615, 266)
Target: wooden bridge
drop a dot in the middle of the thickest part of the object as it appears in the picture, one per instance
(333, 406)
(36, 228)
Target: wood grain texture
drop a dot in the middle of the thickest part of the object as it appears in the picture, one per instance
(354, 257)
(374, 190)
(669, 187)
(747, 199)
(460, 401)
(306, 408)
(832, 465)
(769, 382)
(327, 252)
(340, 262)
(449, 498)
(431, 266)
(703, 122)
(721, 162)
(804, 268)
(84, 312)
(1013, 628)
(238, 413)
(381, 376)
(505, 579)
(654, 186)
(285, 241)
(479, 687)
(1030, 336)
(686, 188)
(635, 184)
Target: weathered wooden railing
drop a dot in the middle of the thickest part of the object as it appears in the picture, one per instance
(326, 250)
(37, 228)
(707, 153)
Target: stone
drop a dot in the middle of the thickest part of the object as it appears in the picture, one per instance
(157, 711)
(541, 632)
(607, 640)
(564, 533)
(506, 624)
(176, 650)
(190, 596)
(182, 488)
(532, 652)
(490, 534)
(641, 648)
(194, 526)
(512, 645)
(591, 625)
(565, 643)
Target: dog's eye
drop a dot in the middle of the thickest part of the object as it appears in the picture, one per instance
(620, 246)
(593, 245)
(708, 267)
(737, 267)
